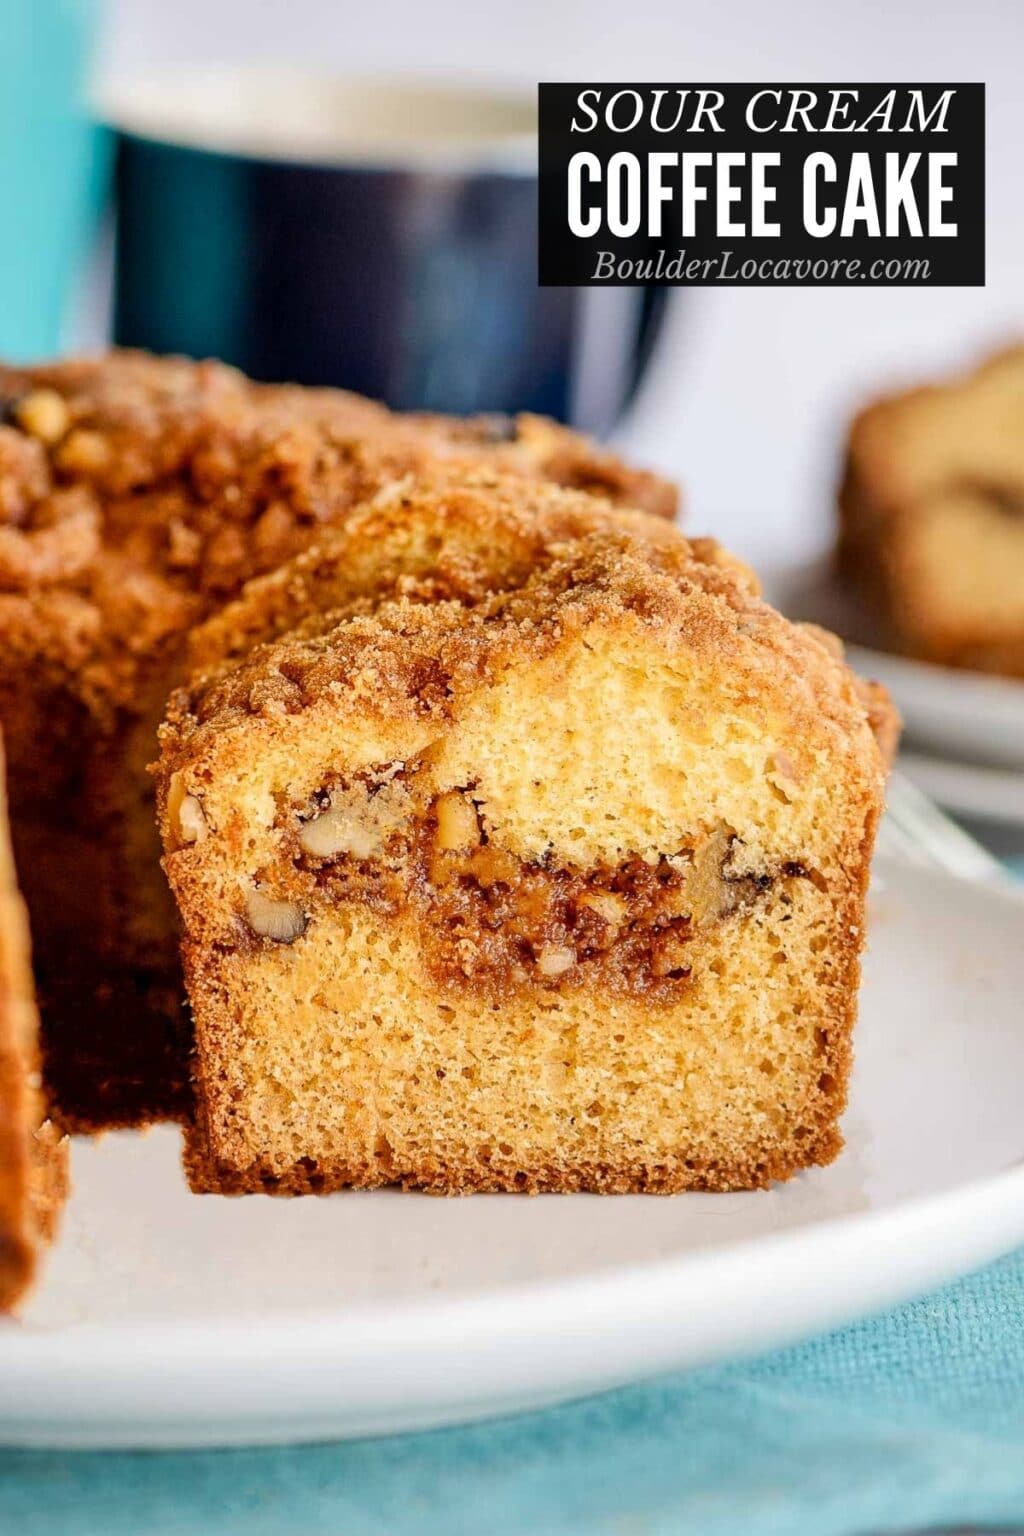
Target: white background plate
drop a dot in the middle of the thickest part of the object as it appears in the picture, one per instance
(167, 1319)
(970, 789)
(957, 714)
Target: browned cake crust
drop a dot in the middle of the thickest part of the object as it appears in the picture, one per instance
(33, 1156)
(136, 495)
(518, 845)
(932, 518)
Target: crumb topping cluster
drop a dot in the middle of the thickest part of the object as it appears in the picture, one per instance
(138, 493)
(430, 587)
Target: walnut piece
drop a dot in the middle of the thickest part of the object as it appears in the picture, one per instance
(705, 892)
(191, 820)
(336, 831)
(608, 905)
(43, 414)
(185, 812)
(458, 826)
(282, 921)
(555, 959)
(84, 452)
(356, 822)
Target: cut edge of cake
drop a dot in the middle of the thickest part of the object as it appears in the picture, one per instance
(33, 1154)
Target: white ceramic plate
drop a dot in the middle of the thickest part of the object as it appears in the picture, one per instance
(170, 1320)
(966, 715)
(969, 789)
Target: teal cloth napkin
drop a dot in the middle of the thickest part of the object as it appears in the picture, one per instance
(909, 1420)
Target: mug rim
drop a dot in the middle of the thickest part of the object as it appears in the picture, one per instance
(146, 107)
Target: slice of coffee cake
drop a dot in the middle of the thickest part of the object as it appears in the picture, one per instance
(932, 518)
(33, 1156)
(531, 856)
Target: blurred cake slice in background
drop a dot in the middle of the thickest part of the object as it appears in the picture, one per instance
(932, 518)
(518, 845)
(33, 1156)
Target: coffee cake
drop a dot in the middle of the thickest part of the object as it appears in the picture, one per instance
(932, 518)
(518, 844)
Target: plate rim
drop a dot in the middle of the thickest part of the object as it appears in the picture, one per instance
(665, 1313)
(992, 687)
(917, 1211)
(976, 1223)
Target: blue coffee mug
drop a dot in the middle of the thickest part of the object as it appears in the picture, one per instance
(378, 236)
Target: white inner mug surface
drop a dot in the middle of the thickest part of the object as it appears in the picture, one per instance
(296, 116)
